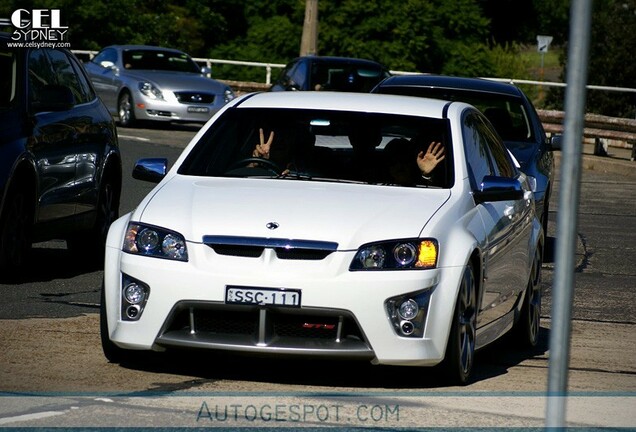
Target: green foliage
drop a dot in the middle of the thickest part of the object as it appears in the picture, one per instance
(612, 45)
(462, 37)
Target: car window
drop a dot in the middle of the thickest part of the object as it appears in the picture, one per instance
(107, 57)
(476, 149)
(83, 80)
(40, 74)
(8, 81)
(343, 76)
(67, 76)
(159, 60)
(297, 75)
(320, 145)
(501, 161)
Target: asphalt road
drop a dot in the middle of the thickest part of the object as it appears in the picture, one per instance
(52, 371)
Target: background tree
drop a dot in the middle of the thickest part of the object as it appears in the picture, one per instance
(612, 44)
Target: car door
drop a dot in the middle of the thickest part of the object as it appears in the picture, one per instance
(103, 74)
(504, 233)
(53, 143)
(91, 130)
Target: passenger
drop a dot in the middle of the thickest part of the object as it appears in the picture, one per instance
(407, 166)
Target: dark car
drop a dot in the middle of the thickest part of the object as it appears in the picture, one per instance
(511, 113)
(60, 164)
(330, 73)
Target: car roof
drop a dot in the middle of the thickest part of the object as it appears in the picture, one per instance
(451, 82)
(343, 101)
(336, 59)
(144, 47)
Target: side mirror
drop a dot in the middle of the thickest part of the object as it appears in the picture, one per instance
(556, 142)
(495, 188)
(206, 71)
(53, 98)
(150, 169)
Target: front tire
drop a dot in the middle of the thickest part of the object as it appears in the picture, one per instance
(528, 326)
(16, 226)
(107, 211)
(126, 110)
(460, 351)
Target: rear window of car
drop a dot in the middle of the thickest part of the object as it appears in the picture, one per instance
(319, 145)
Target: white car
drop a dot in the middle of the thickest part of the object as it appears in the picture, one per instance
(313, 246)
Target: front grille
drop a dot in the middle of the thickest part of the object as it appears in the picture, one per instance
(285, 249)
(194, 98)
(281, 253)
(240, 251)
(243, 327)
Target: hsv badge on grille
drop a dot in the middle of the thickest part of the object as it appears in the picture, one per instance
(272, 225)
(196, 98)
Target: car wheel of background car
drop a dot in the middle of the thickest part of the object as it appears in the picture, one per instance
(16, 223)
(125, 110)
(107, 211)
(460, 351)
(112, 352)
(527, 328)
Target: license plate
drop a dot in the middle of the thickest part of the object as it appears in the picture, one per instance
(198, 109)
(262, 296)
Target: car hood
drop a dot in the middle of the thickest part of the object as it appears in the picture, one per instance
(523, 151)
(347, 214)
(176, 81)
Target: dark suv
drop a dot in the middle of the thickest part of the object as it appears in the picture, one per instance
(60, 165)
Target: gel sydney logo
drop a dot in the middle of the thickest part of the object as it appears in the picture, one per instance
(38, 24)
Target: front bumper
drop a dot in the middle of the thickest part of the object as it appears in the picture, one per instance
(343, 313)
(173, 110)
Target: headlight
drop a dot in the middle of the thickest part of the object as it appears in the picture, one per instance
(228, 95)
(156, 242)
(396, 255)
(150, 90)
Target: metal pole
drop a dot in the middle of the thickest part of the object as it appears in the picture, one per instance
(567, 218)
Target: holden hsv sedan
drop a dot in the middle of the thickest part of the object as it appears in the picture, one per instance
(379, 228)
(140, 82)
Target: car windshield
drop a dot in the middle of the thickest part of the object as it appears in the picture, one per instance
(320, 145)
(159, 60)
(8, 81)
(507, 114)
(342, 76)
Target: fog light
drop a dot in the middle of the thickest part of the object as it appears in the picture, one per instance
(408, 310)
(132, 312)
(134, 294)
(134, 297)
(407, 327)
